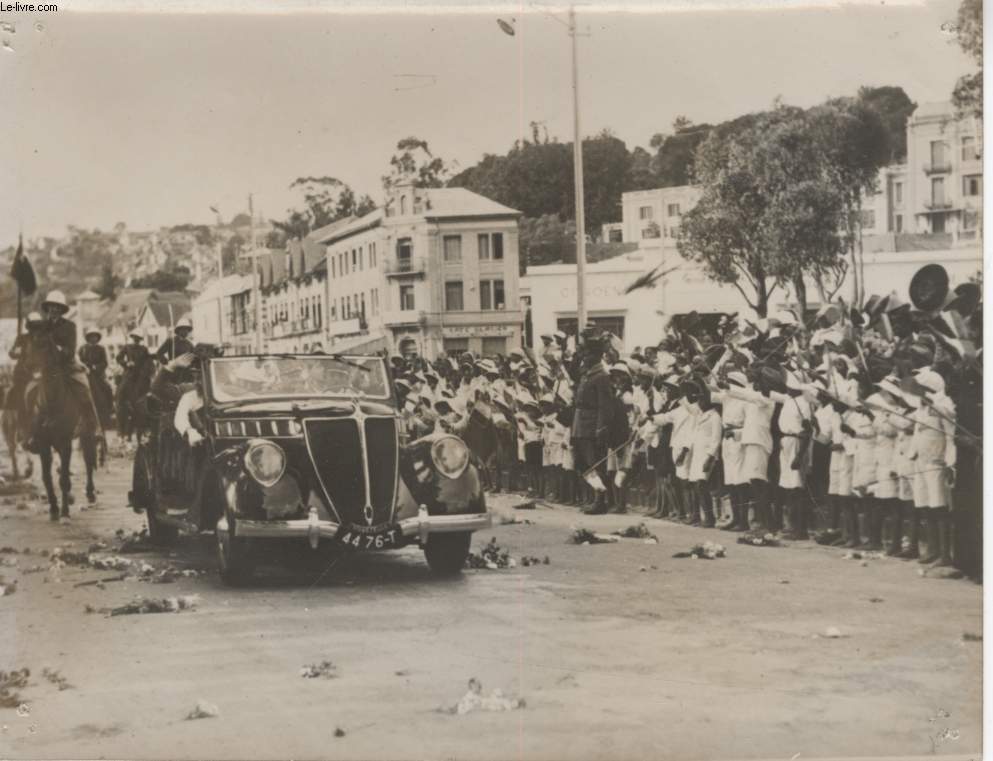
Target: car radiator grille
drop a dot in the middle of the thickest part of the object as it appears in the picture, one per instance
(338, 456)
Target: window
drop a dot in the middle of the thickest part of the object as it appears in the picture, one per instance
(491, 295)
(938, 223)
(403, 205)
(672, 210)
(868, 219)
(938, 191)
(333, 268)
(455, 346)
(361, 259)
(969, 152)
(651, 230)
(484, 246)
(970, 219)
(972, 185)
(372, 254)
(453, 296)
(404, 250)
(939, 154)
(453, 249)
(348, 307)
(645, 212)
(494, 346)
(898, 192)
(344, 263)
(355, 260)
(898, 223)
(406, 297)
(498, 246)
(362, 310)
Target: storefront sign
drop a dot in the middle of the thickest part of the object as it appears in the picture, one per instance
(477, 331)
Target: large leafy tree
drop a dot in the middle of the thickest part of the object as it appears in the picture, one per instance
(968, 93)
(414, 162)
(323, 200)
(675, 153)
(769, 214)
(894, 108)
(856, 146)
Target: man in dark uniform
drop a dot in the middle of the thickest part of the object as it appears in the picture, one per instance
(132, 358)
(94, 358)
(178, 344)
(595, 409)
(58, 356)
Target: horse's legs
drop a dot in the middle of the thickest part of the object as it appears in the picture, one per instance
(88, 444)
(65, 458)
(46, 476)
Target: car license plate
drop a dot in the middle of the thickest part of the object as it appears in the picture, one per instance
(386, 537)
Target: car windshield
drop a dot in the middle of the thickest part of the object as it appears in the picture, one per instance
(240, 378)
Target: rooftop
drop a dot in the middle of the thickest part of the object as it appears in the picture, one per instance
(460, 202)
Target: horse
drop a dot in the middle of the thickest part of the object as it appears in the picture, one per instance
(58, 420)
(10, 427)
(131, 390)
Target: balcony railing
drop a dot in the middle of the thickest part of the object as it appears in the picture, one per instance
(405, 266)
(939, 167)
(938, 205)
(403, 317)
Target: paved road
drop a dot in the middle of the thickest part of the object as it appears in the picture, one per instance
(619, 651)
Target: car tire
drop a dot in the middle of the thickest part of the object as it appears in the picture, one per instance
(446, 553)
(235, 561)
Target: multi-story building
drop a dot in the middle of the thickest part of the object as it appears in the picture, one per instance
(294, 295)
(223, 314)
(651, 218)
(434, 270)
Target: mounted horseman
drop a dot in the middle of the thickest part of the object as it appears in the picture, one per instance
(93, 355)
(138, 368)
(60, 405)
(14, 419)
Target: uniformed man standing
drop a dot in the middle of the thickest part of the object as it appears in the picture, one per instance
(592, 421)
(177, 344)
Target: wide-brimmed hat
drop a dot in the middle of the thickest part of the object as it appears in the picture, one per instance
(56, 299)
(34, 317)
(92, 331)
(184, 322)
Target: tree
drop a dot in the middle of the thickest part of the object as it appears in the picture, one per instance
(231, 251)
(855, 145)
(968, 93)
(894, 108)
(109, 283)
(546, 240)
(323, 200)
(675, 154)
(605, 164)
(414, 163)
(640, 174)
(173, 279)
(768, 215)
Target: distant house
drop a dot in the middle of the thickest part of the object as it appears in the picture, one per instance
(158, 316)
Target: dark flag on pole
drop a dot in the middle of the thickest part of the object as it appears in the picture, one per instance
(22, 271)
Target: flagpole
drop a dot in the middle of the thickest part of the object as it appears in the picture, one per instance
(20, 252)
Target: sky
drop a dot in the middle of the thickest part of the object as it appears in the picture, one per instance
(150, 118)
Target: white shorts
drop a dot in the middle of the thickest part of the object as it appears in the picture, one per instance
(733, 457)
(840, 477)
(789, 478)
(754, 463)
(930, 489)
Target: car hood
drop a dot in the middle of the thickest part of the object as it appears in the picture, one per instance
(301, 408)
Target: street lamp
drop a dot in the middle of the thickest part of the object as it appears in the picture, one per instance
(577, 161)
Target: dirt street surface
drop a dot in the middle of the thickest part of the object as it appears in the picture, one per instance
(616, 650)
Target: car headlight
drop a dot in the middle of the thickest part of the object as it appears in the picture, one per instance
(265, 462)
(450, 456)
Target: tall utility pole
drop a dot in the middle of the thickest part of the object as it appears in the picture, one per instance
(577, 160)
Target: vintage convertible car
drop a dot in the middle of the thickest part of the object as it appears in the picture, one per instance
(311, 448)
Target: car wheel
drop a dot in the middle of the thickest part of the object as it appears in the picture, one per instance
(446, 553)
(234, 557)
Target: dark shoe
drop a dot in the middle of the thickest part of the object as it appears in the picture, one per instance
(597, 509)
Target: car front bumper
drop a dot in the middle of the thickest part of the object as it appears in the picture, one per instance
(313, 528)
